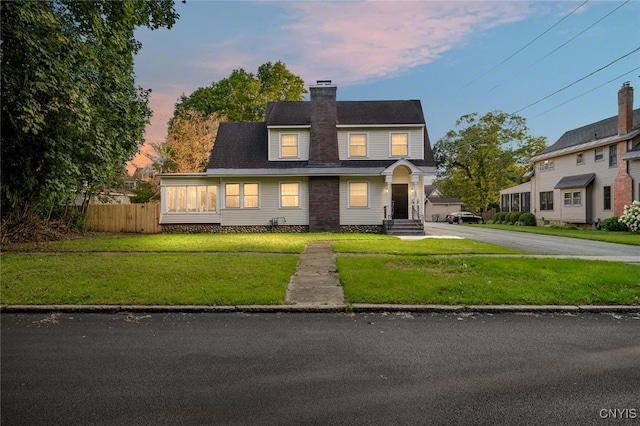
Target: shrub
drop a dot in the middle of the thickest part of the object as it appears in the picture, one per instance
(631, 216)
(499, 217)
(613, 224)
(528, 219)
(513, 217)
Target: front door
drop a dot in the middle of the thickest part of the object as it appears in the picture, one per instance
(400, 198)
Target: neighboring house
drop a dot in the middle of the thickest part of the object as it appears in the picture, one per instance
(589, 174)
(437, 207)
(318, 165)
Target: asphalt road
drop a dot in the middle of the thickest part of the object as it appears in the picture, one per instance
(534, 243)
(351, 369)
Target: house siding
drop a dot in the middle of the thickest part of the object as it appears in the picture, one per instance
(303, 143)
(379, 142)
(269, 204)
(373, 214)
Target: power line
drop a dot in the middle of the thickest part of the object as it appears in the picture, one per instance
(585, 93)
(577, 81)
(527, 45)
(557, 48)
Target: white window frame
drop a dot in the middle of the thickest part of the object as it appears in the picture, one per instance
(366, 144)
(546, 165)
(598, 154)
(187, 199)
(281, 153)
(580, 159)
(241, 195)
(281, 195)
(572, 198)
(391, 154)
(244, 195)
(367, 186)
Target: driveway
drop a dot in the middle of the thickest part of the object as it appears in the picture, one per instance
(538, 244)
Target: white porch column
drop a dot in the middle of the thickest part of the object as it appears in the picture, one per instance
(414, 181)
(388, 179)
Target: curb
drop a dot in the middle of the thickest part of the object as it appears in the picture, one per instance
(355, 308)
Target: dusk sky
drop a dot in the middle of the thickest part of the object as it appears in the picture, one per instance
(455, 57)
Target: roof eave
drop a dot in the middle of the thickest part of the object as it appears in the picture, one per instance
(584, 146)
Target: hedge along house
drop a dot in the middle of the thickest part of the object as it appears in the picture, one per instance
(589, 174)
(318, 165)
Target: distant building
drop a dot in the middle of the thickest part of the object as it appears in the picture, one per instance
(590, 173)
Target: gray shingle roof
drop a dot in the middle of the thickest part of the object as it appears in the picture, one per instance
(349, 112)
(245, 145)
(576, 181)
(591, 132)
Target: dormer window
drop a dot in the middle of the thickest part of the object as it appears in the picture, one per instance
(357, 145)
(289, 145)
(399, 144)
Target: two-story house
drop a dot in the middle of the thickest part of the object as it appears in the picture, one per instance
(589, 174)
(318, 165)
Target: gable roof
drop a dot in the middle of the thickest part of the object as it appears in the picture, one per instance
(349, 113)
(591, 132)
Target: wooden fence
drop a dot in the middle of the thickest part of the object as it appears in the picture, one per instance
(136, 218)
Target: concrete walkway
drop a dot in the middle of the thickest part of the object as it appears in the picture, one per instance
(316, 281)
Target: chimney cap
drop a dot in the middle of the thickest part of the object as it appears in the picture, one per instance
(323, 82)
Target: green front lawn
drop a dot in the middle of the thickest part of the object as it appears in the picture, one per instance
(632, 238)
(487, 280)
(421, 247)
(240, 269)
(145, 279)
(220, 243)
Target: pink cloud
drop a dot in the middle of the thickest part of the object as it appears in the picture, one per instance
(367, 40)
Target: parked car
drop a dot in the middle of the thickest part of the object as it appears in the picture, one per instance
(462, 217)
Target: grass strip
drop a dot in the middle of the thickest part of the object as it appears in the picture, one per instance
(145, 279)
(421, 247)
(192, 243)
(631, 238)
(484, 280)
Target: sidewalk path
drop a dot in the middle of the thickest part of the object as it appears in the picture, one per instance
(316, 281)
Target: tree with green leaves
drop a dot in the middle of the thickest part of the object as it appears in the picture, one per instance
(189, 143)
(71, 113)
(243, 96)
(486, 154)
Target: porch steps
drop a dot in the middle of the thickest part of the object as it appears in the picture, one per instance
(403, 227)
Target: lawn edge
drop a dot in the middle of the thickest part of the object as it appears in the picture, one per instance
(355, 308)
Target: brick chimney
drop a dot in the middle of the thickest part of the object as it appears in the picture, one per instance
(323, 148)
(625, 109)
(623, 183)
(324, 191)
